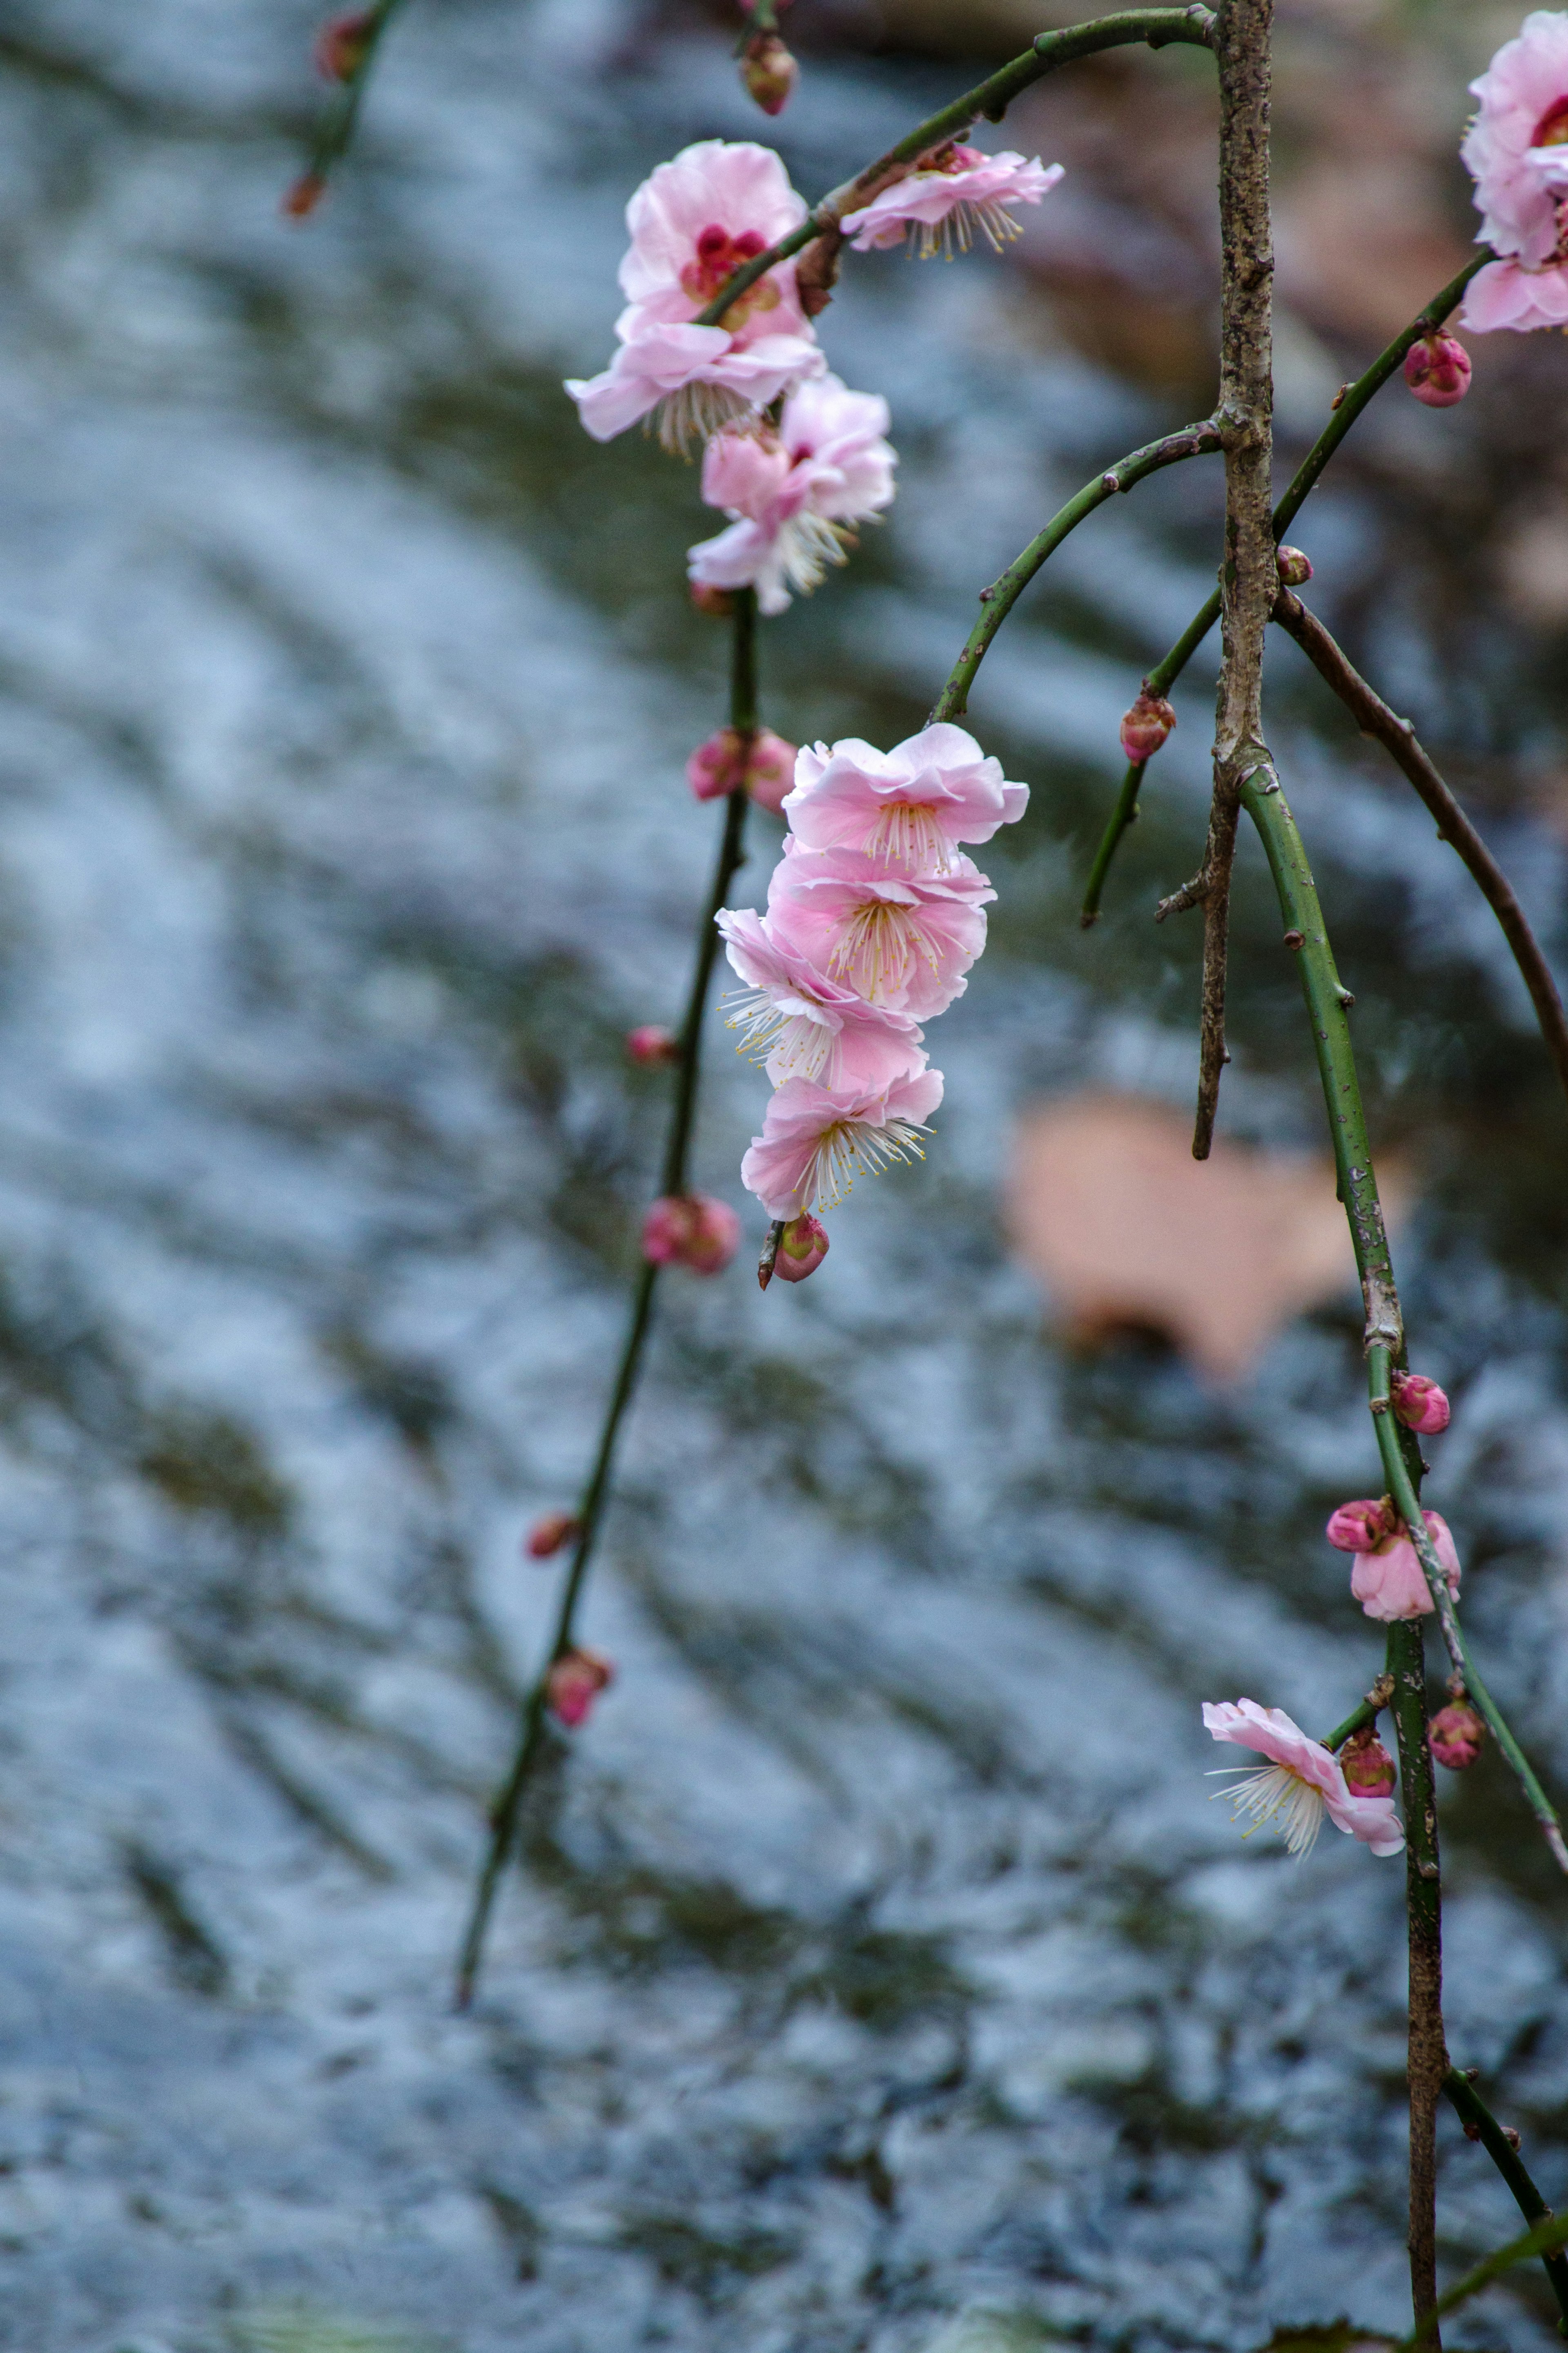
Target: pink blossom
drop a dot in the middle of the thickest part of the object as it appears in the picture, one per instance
(692, 1230)
(955, 191)
(693, 223)
(904, 941)
(793, 493)
(806, 1025)
(815, 1139)
(760, 761)
(1420, 1404)
(1438, 370)
(803, 1246)
(1367, 1765)
(1517, 153)
(1457, 1735)
(1302, 1781)
(574, 1683)
(1358, 1527)
(910, 806)
(548, 1534)
(1389, 1580)
(652, 1042)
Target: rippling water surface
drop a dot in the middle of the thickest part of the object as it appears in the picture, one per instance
(878, 1973)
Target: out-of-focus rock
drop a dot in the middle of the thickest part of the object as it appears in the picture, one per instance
(1129, 1232)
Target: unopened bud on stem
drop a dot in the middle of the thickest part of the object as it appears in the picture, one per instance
(651, 1044)
(803, 1246)
(768, 72)
(1457, 1735)
(1419, 1403)
(342, 44)
(1362, 1526)
(718, 603)
(1438, 370)
(1367, 1765)
(574, 1683)
(549, 1534)
(692, 1230)
(1294, 567)
(758, 761)
(1146, 725)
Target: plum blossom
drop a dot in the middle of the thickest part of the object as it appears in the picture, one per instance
(792, 494)
(1516, 150)
(903, 941)
(1359, 1526)
(815, 1140)
(693, 1230)
(755, 759)
(1302, 1783)
(1438, 370)
(910, 806)
(693, 223)
(1389, 1581)
(955, 192)
(806, 1025)
(574, 1683)
(1420, 1404)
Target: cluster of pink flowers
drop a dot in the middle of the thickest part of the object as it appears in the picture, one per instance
(1517, 153)
(793, 491)
(874, 918)
(1303, 1780)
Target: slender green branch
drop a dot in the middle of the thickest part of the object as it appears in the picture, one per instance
(1351, 401)
(1158, 28)
(1358, 1719)
(340, 116)
(997, 601)
(1544, 2239)
(1427, 2062)
(1481, 2125)
(507, 1803)
(1397, 736)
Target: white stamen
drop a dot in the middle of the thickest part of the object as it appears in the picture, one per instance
(996, 225)
(792, 1043)
(907, 835)
(879, 943)
(695, 412)
(851, 1147)
(1275, 1794)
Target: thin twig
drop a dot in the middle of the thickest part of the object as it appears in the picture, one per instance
(1427, 2057)
(1374, 717)
(507, 1803)
(340, 116)
(997, 601)
(1347, 409)
(1481, 2125)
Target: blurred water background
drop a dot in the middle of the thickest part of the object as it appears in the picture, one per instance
(877, 1974)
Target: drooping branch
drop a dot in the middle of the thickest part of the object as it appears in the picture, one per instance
(507, 1803)
(997, 601)
(1427, 2057)
(1350, 404)
(1156, 28)
(1397, 736)
(1481, 2125)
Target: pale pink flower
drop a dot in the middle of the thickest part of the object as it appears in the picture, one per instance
(815, 1140)
(1300, 1784)
(899, 940)
(1517, 151)
(574, 1683)
(692, 1230)
(693, 223)
(910, 806)
(793, 493)
(955, 191)
(1389, 1580)
(806, 1025)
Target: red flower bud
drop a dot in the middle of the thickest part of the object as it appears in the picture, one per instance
(1145, 727)
(304, 195)
(1457, 1735)
(768, 72)
(547, 1535)
(1362, 1527)
(717, 603)
(653, 1044)
(759, 761)
(803, 1246)
(1367, 1765)
(1419, 1403)
(574, 1683)
(342, 46)
(1294, 567)
(693, 1230)
(1438, 370)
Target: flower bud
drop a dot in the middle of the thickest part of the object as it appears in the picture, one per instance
(304, 195)
(755, 759)
(1438, 370)
(692, 1230)
(1457, 1735)
(1294, 567)
(1145, 727)
(1362, 1527)
(574, 1683)
(1419, 1403)
(718, 603)
(1367, 1765)
(768, 72)
(342, 44)
(803, 1246)
(652, 1044)
(548, 1536)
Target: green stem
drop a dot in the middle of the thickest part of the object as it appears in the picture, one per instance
(1156, 27)
(1353, 400)
(1427, 2061)
(1481, 2125)
(1371, 1708)
(997, 601)
(336, 127)
(508, 1802)
(1542, 2239)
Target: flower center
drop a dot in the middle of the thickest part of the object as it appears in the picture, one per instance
(1275, 1794)
(850, 1145)
(1552, 131)
(907, 834)
(874, 953)
(719, 256)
